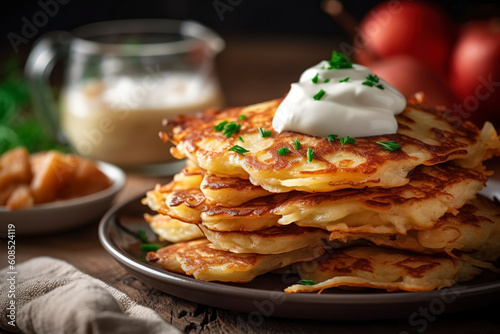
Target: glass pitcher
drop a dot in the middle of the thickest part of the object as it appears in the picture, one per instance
(121, 79)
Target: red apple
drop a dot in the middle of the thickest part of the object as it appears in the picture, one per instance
(410, 76)
(475, 70)
(418, 29)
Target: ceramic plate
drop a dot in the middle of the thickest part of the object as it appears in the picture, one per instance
(63, 215)
(264, 296)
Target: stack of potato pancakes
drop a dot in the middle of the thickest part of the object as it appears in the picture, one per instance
(394, 212)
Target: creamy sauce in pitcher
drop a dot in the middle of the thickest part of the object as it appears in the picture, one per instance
(118, 120)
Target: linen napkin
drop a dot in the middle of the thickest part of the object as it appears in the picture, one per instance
(52, 296)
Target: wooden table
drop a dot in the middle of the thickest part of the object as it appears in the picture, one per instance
(82, 248)
(251, 71)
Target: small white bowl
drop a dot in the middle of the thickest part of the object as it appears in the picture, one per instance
(65, 214)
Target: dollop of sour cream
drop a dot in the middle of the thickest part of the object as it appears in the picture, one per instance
(347, 108)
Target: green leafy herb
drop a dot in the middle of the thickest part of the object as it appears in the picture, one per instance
(339, 61)
(19, 125)
(326, 80)
(297, 144)
(319, 95)
(347, 140)
(310, 155)
(345, 79)
(150, 247)
(306, 282)
(230, 129)
(284, 150)
(241, 139)
(389, 145)
(242, 117)
(238, 149)
(315, 79)
(372, 81)
(219, 127)
(265, 133)
(332, 137)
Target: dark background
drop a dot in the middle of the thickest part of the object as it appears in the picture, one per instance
(254, 17)
(259, 34)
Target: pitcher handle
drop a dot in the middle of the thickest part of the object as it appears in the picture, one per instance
(49, 49)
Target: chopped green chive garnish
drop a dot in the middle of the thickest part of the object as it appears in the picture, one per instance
(241, 139)
(265, 133)
(219, 127)
(306, 282)
(345, 79)
(284, 150)
(230, 129)
(332, 137)
(326, 80)
(150, 247)
(242, 117)
(347, 140)
(238, 149)
(319, 95)
(389, 145)
(372, 81)
(339, 61)
(372, 77)
(310, 155)
(297, 144)
(315, 79)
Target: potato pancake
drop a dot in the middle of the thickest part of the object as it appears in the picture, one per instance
(198, 259)
(475, 229)
(427, 136)
(431, 192)
(382, 268)
(173, 230)
(272, 240)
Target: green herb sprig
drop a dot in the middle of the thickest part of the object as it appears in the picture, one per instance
(283, 151)
(347, 140)
(151, 247)
(306, 282)
(315, 79)
(372, 81)
(146, 246)
(297, 144)
(319, 95)
(389, 145)
(230, 129)
(310, 155)
(265, 133)
(219, 127)
(238, 149)
(339, 61)
(332, 138)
